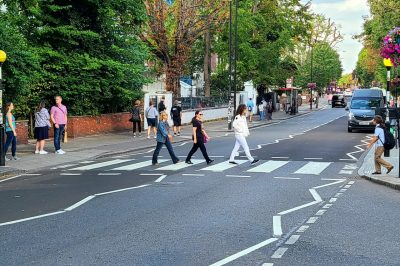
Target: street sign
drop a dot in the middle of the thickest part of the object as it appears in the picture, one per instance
(289, 83)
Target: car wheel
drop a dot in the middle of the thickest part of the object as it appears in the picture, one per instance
(349, 130)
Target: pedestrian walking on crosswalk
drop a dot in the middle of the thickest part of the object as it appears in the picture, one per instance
(199, 138)
(163, 137)
(241, 132)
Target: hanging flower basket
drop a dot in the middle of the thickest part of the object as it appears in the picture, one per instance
(391, 46)
(311, 85)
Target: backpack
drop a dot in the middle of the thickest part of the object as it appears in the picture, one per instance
(390, 142)
(136, 114)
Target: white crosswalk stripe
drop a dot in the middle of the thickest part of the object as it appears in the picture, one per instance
(268, 167)
(135, 166)
(220, 167)
(100, 165)
(179, 166)
(313, 168)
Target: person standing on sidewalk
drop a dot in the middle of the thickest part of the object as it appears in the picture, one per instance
(42, 125)
(250, 107)
(151, 115)
(136, 119)
(163, 137)
(58, 115)
(161, 105)
(176, 113)
(241, 132)
(378, 139)
(199, 138)
(261, 111)
(11, 132)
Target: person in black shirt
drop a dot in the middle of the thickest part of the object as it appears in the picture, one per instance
(136, 119)
(176, 114)
(161, 105)
(199, 138)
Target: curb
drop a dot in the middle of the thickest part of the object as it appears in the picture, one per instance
(382, 182)
(11, 172)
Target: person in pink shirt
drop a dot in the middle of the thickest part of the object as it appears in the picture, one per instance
(58, 115)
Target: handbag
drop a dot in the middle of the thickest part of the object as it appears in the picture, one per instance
(65, 137)
(205, 139)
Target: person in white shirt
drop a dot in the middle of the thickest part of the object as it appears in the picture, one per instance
(241, 132)
(379, 139)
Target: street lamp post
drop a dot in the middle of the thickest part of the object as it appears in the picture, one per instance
(233, 51)
(3, 57)
(311, 78)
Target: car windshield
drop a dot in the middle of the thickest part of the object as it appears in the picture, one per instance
(365, 103)
(338, 97)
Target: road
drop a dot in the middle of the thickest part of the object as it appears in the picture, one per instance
(303, 204)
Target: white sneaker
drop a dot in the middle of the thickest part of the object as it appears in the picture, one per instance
(7, 159)
(155, 137)
(15, 158)
(43, 152)
(37, 152)
(60, 151)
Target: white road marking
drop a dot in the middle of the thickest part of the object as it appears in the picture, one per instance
(312, 168)
(330, 184)
(279, 253)
(32, 218)
(277, 226)
(293, 239)
(244, 252)
(347, 159)
(302, 229)
(333, 179)
(279, 157)
(134, 166)
(299, 207)
(267, 167)
(10, 178)
(79, 203)
(220, 167)
(346, 172)
(351, 182)
(120, 190)
(312, 220)
(180, 165)
(161, 178)
(100, 165)
(290, 178)
(350, 167)
(332, 200)
(315, 195)
(267, 264)
(71, 174)
(237, 175)
(193, 174)
(347, 186)
(64, 166)
(343, 190)
(320, 212)
(152, 174)
(338, 195)
(313, 158)
(327, 206)
(85, 162)
(30, 174)
(109, 174)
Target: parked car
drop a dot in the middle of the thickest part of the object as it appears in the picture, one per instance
(338, 100)
(364, 105)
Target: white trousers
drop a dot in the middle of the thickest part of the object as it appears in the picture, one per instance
(241, 141)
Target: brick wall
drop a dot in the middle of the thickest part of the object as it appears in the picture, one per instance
(22, 132)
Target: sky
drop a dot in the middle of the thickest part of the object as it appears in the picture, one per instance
(348, 16)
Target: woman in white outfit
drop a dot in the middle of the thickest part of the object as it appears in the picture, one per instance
(241, 132)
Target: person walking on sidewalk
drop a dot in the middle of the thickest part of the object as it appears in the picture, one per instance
(136, 119)
(250, 107)
(241, 132)
(163, 137)
(58, 115)
(176, 113)
(11, 132)
(42, 125)
(199, 138)
(161, 105)
(151, 117)
(378, 139)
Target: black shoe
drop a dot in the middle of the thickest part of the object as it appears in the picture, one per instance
(233, 162)
(376, 173)
(189, 162)
(210, 161)
(255, 161)
(155, 163)
(389, 169)
(177, 162)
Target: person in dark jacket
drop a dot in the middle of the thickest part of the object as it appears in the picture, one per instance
(199, 138)
(163, 137)
(176, 113)
(136, 119)
(161, 105)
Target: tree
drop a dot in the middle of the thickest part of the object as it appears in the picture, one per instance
(172, 30)
(368, 58)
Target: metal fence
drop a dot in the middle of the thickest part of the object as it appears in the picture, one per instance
(188, 103)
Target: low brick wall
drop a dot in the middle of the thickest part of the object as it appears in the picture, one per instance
(22, 132)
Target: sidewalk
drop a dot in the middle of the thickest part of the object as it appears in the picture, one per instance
(392, 180)
(113, 144)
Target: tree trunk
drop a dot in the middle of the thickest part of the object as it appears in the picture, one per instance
(172, 81)
(207, 63)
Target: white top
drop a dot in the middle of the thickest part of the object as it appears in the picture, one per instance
(240, 126)
(380, 135)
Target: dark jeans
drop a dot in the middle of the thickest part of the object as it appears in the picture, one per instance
(138, 125)
(196, 146)
(11, 139)
(57, 136)
(169, 148)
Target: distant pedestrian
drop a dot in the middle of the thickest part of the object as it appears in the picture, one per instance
(151, 117)
(11, 132)
(379, 139)
(161, 105)
(163, 137)
(176, 114)
(136, 119)
(261, 111)
(42, 126)
(250, 107)
(241, 132)
(270, 110)
(199, 137)
(58, 115)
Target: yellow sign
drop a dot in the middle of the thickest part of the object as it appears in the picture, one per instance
(387, 62)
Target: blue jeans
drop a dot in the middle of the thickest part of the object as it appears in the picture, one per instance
(169, 148)
(57, 136)
(11, 139)
(262, 117)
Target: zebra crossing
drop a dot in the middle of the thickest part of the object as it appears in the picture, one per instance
(165, 165)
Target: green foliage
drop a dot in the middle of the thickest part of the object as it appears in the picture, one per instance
(88, 52)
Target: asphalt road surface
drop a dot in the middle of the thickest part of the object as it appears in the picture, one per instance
(303, 204)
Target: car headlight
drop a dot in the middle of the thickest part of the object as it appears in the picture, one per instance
(351, 115)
